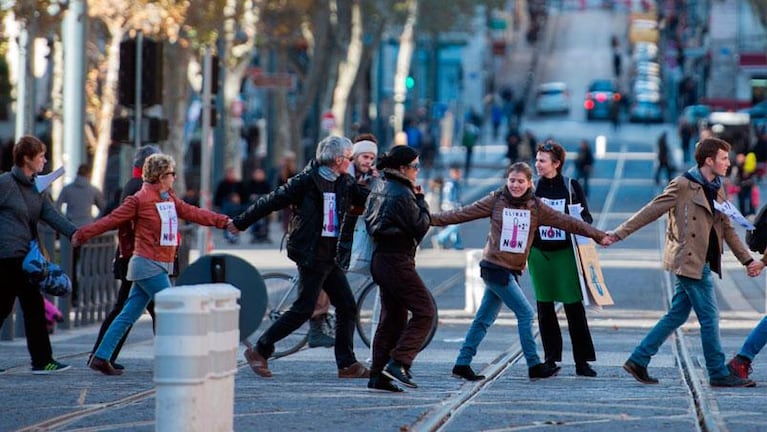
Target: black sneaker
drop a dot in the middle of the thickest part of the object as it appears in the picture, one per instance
(465, 372)
(395, 370)
(639, 372)
(380, 382)
(731, 380)
(50, 368)
(542, 370)
(584, 369)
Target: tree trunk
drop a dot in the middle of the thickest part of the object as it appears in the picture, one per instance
(347, 71)
(57, 107)
(177, 91)
(108, 103)
(404, 57)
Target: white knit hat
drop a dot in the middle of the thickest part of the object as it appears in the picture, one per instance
(365, 146)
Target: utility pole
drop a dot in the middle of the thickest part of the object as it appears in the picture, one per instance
(73, 41)
(137, 107)
(25, 85)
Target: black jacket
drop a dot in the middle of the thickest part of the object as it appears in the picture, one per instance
(395, 216)
(303, 192)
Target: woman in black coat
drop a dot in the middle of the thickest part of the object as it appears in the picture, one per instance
(397, 217)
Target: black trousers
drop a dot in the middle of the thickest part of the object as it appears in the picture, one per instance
(551, 336)
(330, 278)
(402, 291)
(31, 301)
(122, 296)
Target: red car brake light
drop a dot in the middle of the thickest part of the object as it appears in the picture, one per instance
(588, 104)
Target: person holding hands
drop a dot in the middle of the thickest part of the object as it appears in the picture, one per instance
(695, 237)
(515, 214)
(155, 211)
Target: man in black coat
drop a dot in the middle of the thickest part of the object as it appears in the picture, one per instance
(320, 195)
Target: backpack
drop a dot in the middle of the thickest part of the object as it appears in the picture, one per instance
(756, 239)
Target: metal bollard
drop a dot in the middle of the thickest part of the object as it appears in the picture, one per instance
(181, 359)
(224, 341)
(475, 287)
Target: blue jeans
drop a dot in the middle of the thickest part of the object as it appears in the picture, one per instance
(511, 295)
(689, 294)
(141, 294)
(755, 340)
(452, 234)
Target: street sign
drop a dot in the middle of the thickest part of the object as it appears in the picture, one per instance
(272, 80)
(328, 121)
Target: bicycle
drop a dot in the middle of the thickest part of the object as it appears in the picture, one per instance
(282, 291)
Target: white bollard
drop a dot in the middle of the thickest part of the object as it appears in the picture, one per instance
(225, 339)
(181, 360)
(475, 287)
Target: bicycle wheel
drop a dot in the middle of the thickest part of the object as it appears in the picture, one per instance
(282, 291)
(368, 312)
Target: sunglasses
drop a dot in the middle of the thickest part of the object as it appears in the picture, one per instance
(415, 165)
(172, 173)
(547, 147)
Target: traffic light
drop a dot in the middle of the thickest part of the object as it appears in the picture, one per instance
(151, 73)
(409, 82)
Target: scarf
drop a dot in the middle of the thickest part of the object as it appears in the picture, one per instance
(521, 201)
(710, 188)
(328, 174)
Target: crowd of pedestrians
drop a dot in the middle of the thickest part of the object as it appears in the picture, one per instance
(529, 224)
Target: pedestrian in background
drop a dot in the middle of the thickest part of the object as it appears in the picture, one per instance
(664, 160)
(553, 249)
(515, 213)
(125, 245)
(78, 199)
(584, 165)
(694, 244)
(450, 236)
(287, 170)
(21, 207)
(154, 210)
(397, 217)
(320, 195)
(254, 189)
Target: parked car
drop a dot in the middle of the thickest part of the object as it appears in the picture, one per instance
(600, 96)
(646, 108)
(552, 97)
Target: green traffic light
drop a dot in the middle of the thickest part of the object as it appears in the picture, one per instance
(409, 82)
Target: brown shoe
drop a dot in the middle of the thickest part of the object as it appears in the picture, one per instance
(104, 367)
(258, 363)
(354, 370)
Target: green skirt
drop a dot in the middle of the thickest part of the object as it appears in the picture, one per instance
(554, 275)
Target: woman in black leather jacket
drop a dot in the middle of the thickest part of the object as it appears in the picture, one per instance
(397, 217)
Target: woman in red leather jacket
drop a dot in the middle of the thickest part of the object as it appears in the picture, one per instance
(155, 210)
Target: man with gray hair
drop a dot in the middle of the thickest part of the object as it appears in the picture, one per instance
(320, 195)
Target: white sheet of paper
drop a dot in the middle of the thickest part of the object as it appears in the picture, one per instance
(168, 223)
(329, 216)
(43, 181)
(732, 212)
(575, 211)
(515, 230)
(546, 232)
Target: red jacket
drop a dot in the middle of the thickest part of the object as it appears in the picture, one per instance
(141, 208)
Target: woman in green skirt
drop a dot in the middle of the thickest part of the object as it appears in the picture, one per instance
(552, 264)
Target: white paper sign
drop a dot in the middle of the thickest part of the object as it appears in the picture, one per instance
(732, 212)
(515, 230)
(548, 233)
(575, 211)
(169, 223)
(43, 181)
(329, 216)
